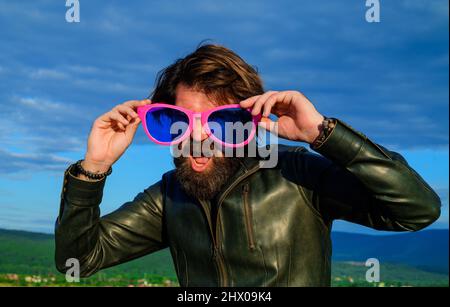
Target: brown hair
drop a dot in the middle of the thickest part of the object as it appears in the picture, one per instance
(213, 69)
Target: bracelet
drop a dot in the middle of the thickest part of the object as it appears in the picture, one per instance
(328, 125)
(91, 175)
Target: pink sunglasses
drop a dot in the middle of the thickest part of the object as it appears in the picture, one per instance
(159, 120)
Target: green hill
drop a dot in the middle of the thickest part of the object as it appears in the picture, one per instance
(24, 252)
(28, 254)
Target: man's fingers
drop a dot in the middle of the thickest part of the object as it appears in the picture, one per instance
(247, 103)
(119, 118)
(126, 110)
(136, 121)
(127, 113)
(120, 125)
(269, 103)
(137, 103)
(122, 116)
(261, 101)
(132, 127)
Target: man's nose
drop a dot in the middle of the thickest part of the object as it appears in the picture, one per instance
(198, 132)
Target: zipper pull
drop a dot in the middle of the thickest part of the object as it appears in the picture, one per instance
(246, 188)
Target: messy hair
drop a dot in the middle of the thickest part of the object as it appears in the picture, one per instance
(212, 69)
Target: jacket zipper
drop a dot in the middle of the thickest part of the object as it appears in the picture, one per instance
(217, 254)
(220, 262)
(248, 218)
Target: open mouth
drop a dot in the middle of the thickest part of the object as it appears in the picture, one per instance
(199, 164)
(199, 156)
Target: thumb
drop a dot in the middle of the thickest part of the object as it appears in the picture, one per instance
(269, 125)
(131, 129)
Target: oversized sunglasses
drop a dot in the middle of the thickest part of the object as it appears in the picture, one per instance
(229, 125)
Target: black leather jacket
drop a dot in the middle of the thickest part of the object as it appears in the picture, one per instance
(273, 224)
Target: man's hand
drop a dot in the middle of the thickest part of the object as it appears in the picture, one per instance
(298, 120)
(111, 134)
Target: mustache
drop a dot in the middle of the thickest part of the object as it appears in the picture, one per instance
(194, 148)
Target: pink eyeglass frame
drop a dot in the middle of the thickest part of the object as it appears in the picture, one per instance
(142, 113)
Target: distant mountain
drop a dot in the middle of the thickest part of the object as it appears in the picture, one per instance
(426, 249)
(422, 256)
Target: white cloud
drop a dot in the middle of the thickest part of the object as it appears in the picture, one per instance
(43, 73)
(352, 70)
(18, 162)
(40, 104)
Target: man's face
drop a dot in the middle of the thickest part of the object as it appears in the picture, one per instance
(197, 102)
(201, 177)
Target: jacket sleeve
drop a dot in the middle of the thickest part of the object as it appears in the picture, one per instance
(135, 229)
(362, 182)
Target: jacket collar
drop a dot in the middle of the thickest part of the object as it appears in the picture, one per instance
(248, 166)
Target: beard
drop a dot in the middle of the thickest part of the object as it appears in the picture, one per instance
(205, 185)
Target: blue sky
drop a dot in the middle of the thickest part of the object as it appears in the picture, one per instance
(388, 80)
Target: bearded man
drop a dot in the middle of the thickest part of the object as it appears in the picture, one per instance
(227, 220)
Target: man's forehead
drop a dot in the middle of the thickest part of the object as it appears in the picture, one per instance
(192, 98)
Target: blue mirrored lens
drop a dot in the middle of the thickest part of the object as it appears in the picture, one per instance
(232, 126)
(165, 124)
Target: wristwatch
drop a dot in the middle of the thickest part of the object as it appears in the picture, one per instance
(328, 125)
